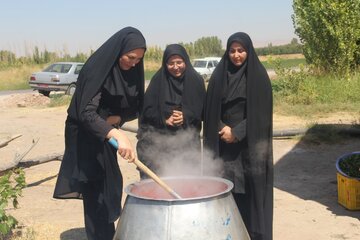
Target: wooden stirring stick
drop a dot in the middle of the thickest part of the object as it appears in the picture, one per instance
(148, 172)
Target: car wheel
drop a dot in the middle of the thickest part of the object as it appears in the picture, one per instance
(45, 93)
(71, 89)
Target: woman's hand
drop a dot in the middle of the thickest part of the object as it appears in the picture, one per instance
(176, 119)
(226, 135)
(125, 148)
(113, 120)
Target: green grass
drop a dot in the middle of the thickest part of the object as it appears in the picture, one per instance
(57, 100)
(311, 111)
(311, 97)
(149, 74)
(15, 78)
(303, 94)
(286, 63)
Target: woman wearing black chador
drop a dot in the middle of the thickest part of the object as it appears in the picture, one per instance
(238, 129)
(109, 92)
(170, 123)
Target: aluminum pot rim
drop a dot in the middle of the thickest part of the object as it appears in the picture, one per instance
(228, 183)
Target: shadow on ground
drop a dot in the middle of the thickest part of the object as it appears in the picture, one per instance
(75, 233)
(308, 170)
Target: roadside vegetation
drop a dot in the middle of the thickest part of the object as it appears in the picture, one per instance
(17, 77)
(11, 185)
(330, 81)
(304, 93)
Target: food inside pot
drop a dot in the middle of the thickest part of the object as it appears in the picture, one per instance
(186, 188)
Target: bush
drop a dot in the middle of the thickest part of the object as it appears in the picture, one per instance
(11, 185)
(303, 86)
(295, 86)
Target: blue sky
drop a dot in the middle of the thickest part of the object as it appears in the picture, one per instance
(80, 25)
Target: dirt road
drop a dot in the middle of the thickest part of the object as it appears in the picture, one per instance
(305, 177)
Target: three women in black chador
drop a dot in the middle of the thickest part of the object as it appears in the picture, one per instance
(235, 111)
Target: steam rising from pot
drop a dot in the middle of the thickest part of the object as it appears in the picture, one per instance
(181, 154)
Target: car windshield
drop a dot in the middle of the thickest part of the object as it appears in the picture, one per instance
(200, 64)
(58, 68)
(78, 68)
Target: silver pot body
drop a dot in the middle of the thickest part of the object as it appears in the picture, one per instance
(210, 216)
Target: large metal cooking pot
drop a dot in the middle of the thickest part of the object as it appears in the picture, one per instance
(206, 211)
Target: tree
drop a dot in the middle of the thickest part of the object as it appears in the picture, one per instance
(294, 41)
(290, 48)
(206, 46)
(154, 53)
(36, 55)
(7, 58)
(329, 31)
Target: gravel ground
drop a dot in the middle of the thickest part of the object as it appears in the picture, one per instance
(305, 176)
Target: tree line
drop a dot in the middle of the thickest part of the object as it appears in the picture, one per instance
(205, 46)
(291, 48)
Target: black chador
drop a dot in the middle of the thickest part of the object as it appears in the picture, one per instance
(166, 93)
(89, 168)
(241, 97)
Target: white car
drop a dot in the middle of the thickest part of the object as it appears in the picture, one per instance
(206, 66)
(60, 76)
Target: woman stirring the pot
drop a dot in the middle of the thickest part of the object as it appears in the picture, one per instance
(109, 92)
(238, 129)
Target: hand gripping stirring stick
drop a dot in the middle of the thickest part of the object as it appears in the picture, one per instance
(148, 172)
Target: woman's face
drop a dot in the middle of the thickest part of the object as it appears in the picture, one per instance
(237, 54)
(130, 59)
(176, 65)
